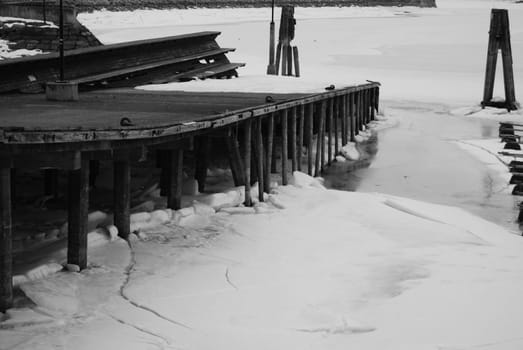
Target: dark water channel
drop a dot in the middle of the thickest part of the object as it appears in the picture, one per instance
(420, 159)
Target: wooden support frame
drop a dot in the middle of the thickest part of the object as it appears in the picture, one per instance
(258, 141)
(6, 243)
(499, 39)
(268, 153)
(294, 156)
(78, 210)
(234, 156)
(122, 197)
(320, 144)
(202, 155)
(284, 147)
(175, 179)
(247, 160)
(310, 131)
(301, 128)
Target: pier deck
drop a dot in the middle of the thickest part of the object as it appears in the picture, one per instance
(128, 126)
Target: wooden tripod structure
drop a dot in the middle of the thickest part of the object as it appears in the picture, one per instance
(285, 52)
(499, 39)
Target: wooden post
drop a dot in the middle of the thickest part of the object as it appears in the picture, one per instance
(234, 156)
(278, 59)
(310, 130)
(336, 117)
(351, 121)
(377, 100)
(259, 157)
(94, 171)
(296, 61)
(343, 119)
(499, 39)
(293, 140)
(331, 127)
(372, 104)
(284, 60)
(122, 197)
(78, 209)
(268, 154)
(202, 161)
(247, 161)
(300, 135)
(271, 68)
(289, 60)
(320, 145)
(284, 147)
(6, 243)
(175, 179)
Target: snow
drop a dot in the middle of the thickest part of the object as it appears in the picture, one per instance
(310, 268)
(6, 53)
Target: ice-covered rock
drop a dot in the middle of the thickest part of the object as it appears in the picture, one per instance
(188, 211)
(113, 232)
(276, 202)
(43, 271)
(350, 152)
(239, 210)
(160, 216)
(203, 209)
(72, 267)
(19, 279)
(140, 217)
(303, 180)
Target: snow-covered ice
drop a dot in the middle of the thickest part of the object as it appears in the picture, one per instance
(311, 268)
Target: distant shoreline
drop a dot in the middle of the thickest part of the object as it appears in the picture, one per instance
(126, 5)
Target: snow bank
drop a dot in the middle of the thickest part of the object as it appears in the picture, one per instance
(6, 53)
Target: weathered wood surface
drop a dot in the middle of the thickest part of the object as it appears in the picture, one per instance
(153, 115)
(247, 160)
(78, 207)
(6, 265)
(101, 63)
(122, 197)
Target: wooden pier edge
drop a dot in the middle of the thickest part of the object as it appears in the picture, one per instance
(73, 151)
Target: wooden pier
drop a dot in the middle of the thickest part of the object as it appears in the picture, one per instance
(127, 126)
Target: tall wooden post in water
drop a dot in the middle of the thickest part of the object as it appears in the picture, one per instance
(499, 39)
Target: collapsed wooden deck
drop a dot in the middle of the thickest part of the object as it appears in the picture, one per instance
(125, 126)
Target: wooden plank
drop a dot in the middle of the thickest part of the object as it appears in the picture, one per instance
(284, 147)
(145, 67)
(247, 161)
(310, 130)
(175, 179)
(78, 209)
(201, 72)
(292, 140)
(300, 134)
(268, 154)
(122, 197)
(6, 257)
(259, 157)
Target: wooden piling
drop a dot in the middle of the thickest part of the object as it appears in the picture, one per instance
(234, 156)
(300, 134)
(284, 147)
(310, 130)
(372, 103)
(343, 119)
(259, 157)
(320, 144)
(289, 60)
(122, 197)
(351, 120)
(330, 129)
(175, 179)
(336, 118)
(278, 58)
(202, 161)
(78, 210)
(6, 245)
(294, 156)
(268, 154)
(296, 61)
(377, 101)
(247, 161)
